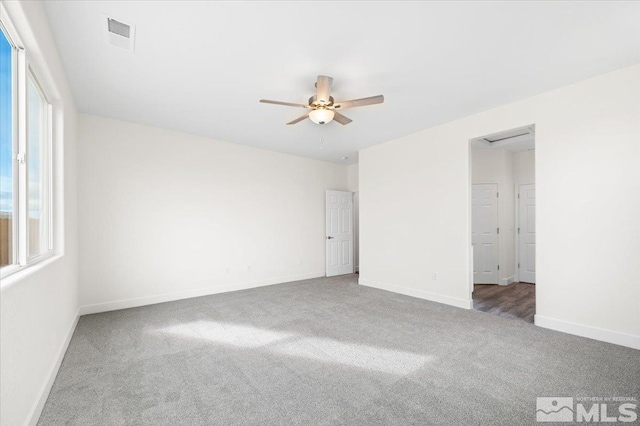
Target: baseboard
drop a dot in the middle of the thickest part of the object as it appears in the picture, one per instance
(34, 416)
(604, 335)
(207, 291)
(420, 294)
(507, 281)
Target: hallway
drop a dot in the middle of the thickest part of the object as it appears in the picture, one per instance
(517, 300)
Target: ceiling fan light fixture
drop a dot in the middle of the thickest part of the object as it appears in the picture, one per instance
(322, 105)
(321, 115)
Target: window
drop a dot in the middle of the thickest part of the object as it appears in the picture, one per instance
(7, 222)
(25, 160)
(37, 154)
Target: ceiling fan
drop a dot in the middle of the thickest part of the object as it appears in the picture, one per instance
(322, 106)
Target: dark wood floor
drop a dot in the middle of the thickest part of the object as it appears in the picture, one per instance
(517, 300)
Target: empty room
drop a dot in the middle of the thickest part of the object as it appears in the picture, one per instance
(319, 213)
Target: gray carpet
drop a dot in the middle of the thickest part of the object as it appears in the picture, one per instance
(324, 351)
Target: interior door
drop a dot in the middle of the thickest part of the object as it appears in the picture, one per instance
(339, 237)
(527, 233)
(484, 233)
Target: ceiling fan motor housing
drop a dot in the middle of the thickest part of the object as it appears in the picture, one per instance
(314, 103)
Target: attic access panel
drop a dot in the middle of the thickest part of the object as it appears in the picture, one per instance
(509, 134)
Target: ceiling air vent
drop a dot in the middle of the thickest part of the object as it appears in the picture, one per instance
(119, 28)
(120, 34)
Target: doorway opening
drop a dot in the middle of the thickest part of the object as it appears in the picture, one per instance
(503, 223)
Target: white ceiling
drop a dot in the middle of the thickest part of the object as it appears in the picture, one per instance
(201, 67)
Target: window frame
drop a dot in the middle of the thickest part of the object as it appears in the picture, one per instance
(10, 35)
(47, 171)
(24, 69)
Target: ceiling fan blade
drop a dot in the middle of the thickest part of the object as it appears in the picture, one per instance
(267, 101)
(323, 88)
(372, 100)
(299, 119)
(341, 118)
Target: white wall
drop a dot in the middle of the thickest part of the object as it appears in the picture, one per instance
(39, 306)
(415, 207)
(166, 215)
(524, 167)
(353, 178)
(496, 166)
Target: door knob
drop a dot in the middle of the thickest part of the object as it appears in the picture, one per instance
(329, 238)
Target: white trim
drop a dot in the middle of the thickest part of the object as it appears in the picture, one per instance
(207, 291)
(36, 411)
(470, 218)
(20, 212)
(516, 234)
(45, 153)
(516, 197)
(420, 294)
(356, 232)
(507, 280)
(10, 29)
(596, 333)
(13, 270)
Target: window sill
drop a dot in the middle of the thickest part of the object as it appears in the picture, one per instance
(18, 274)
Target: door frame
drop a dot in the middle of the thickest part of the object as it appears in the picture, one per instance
(516, 275)
(497, 236)
(326, 251)
(356, 231)
(469, 150)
